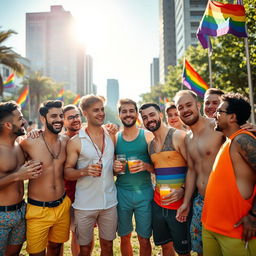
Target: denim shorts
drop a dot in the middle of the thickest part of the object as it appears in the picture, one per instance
(12, 227)
(139, 203)
(167, 229)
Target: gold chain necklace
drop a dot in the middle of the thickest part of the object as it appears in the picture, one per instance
(54, 156)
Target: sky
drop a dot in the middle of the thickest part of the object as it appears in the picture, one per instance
(120, 35)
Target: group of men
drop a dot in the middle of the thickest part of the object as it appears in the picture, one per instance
(85, 157)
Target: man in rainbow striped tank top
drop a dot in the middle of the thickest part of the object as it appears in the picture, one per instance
(167, 152)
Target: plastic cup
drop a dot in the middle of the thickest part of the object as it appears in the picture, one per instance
(132, 161)
(97, 165)
(164, 190)
(121, 158)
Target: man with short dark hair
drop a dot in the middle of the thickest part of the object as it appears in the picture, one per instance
(168, 154)
(90, 156)
(48, 214)
(229, 213)
(134, 187)
(13, 172)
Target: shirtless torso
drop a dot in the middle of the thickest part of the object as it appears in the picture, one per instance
(203, 144)
(50, 185)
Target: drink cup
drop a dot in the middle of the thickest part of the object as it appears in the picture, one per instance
(132, 162)
(121, 158)
(97, 165)
(164, 190)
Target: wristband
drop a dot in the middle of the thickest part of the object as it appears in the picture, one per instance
(252, 214)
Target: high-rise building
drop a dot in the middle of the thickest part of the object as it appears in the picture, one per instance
(154, 72)
(51, 45)
(112, 93)
(89, 75)
(179, 20)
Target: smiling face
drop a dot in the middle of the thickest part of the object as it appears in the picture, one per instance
(151, 119)
(173, 118)
(72, 120)
(128, 115)
(211, 103)
(221, 117)
(18, 123)
(188, 109)
(54, 120)
(95, 114)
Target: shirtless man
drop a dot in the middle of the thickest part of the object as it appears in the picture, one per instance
(229, 213)
(48, 214)
(211, 101)
(203, 144)
(13, 172)
(168, 154)
(90, 156)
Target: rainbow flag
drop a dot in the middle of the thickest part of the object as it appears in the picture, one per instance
(193, 81)
(220, 19)
(9, 82)
(60, 95)
(76, 100)
(23, 98)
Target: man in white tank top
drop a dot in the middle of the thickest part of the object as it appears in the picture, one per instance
(90, 157)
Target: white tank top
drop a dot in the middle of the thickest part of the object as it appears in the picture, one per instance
(95, 193)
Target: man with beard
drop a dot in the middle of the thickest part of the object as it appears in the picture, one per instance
(13, 172)
(167, 152)
(202, 144)
(90, 161)
(48, 209)
(211, 101)
(134, 190)
(229, 213)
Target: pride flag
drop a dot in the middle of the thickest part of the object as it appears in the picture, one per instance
(76, 100)
(60, 95)
(220, 19)
(193, 81)
(23, 98)
(9, 82)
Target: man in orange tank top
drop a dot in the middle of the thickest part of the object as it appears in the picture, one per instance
(229, 213)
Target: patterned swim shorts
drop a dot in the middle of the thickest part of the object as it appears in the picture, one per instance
(12, 227)
(196, 225)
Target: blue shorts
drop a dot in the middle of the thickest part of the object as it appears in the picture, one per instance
(12, 227)
(196, 225)
(138, 202)
(167, 229)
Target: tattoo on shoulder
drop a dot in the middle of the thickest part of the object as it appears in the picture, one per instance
(248, 145)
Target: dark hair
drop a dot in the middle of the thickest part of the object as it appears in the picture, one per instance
(148, 105)
(88, 100)
(169, 105)
(126, 101)
(6, 109)
(69, 107)
(46, 105)
(211, 91)
(239, 105)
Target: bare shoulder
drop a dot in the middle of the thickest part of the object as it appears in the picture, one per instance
(245, 141)
(64, 138)
(28, 142)
(149, 136)
(180, 134)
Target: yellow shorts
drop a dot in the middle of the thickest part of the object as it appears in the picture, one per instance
(47, 224)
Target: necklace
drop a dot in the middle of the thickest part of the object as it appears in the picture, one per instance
(54, 156)
(103, 144)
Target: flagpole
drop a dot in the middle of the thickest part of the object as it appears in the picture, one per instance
(29, 108)
(184, 63)
(249, 79)
(210, 61)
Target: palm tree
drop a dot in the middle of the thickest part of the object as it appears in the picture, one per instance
(8, 57)
(40, 88)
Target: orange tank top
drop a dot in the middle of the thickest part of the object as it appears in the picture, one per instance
(223, 204)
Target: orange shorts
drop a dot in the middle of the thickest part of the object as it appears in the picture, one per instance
(47, 224)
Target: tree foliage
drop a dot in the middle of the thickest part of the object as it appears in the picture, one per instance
(229, 71)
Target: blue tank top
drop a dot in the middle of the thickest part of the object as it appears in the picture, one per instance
(139, 148)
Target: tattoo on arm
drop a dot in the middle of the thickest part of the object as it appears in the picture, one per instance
(248, 146)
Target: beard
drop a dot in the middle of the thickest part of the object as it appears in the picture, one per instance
(129, 125)
(18, 131)
(191, 121)
(50, 127)
(153, 129)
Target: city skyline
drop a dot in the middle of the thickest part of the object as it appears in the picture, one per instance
(121, 45)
